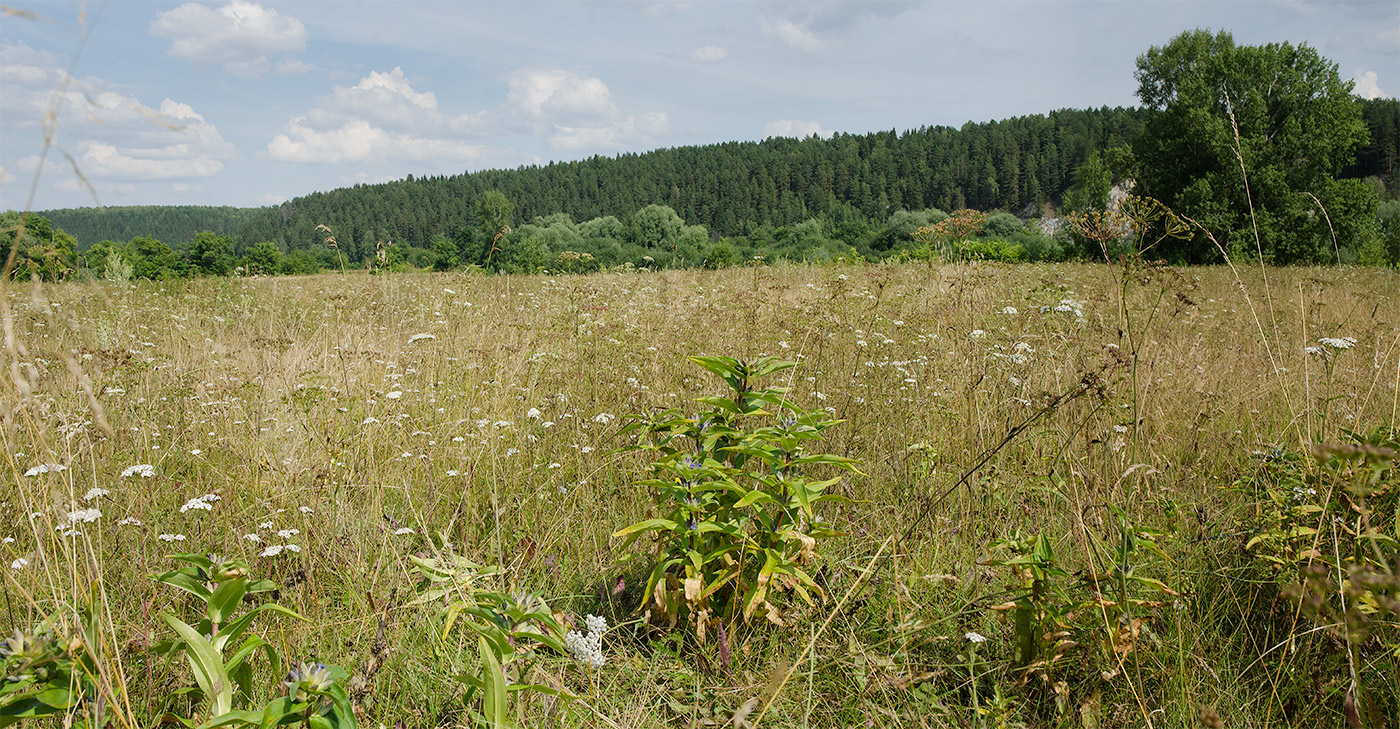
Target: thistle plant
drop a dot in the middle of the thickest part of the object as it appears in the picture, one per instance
(739, 491)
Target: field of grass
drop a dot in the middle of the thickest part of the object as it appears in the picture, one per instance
(1144, 421)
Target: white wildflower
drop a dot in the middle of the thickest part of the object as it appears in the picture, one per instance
(196, 503)
(288, 533)
(171, 537)
(271, 551)
(976, 638)
(291, 547)
(252, 537)
(265, 525)
(129, 521)
(19, 564)
(396, 394)
(977, 334)
(587, 648)
(94, 493)
(304, 509)
(420, 337)
(46, 468)
(144, 470)
(533, 414)
(85, 516)
(369, 421)
(404, 530)
(604, 418)
(1010, 310)
(1337, 342)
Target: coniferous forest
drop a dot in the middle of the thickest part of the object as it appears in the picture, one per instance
(708, 205)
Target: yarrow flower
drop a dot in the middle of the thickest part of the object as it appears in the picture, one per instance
(197, 503)
(19, 564)
(144, 470)
(587, 648)
(46, 468)
(404, 530)
(976, 638)
(1337, 342)
(171, 537)
(85, 516)
(94, 493)
(420, 337)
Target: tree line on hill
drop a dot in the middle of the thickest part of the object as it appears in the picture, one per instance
(1262, 147)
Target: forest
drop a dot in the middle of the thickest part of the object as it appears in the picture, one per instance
(715, 205)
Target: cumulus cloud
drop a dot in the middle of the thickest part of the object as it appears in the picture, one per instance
(112, 136)
(381, 118)
(709, 54)
(793, 35)
(1368, 85)
(240, 36)
(795, 128)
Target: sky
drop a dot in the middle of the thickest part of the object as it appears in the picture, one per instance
(254, 102)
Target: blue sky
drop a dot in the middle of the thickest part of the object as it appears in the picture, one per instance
(238, 102)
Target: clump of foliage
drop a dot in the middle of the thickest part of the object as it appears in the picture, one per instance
(738, 491)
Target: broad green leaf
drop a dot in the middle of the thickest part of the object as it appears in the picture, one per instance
(648, 525)
(493, 701)
(208, 667)
(185, 582)
(226, 599)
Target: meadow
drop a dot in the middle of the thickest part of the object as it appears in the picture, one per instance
(1087, 495)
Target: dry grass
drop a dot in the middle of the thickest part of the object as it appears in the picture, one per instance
(289, 394)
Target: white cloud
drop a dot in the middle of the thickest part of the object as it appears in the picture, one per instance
(795, 128)
(1368, 85)
(794, 35)
(113, 136)
(558, 95)
(289, 66)
(381, 118)
(631, 131)
(272, 198)
(709, 54)
(240, 36)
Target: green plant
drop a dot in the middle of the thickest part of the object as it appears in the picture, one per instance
(1329, 533)
(221, 584)
(316, 699)
(1045, 610)
(51, 670)
(509, 628)
(735, 484)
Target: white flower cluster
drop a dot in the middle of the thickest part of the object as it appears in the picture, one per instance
(1337, 342)
(94, 493)
(204, 502)
(144, 470)
(420, 337)
(46, 468)
(85, 516)
(587, 648)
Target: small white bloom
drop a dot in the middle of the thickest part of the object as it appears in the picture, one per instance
(404, 530)
(420, 337)
(252, 537)
(271, 551)
(1010, 310)
(171, 537)
(533, 414)
(369, 421)
(288, 533)
(84, 516)
(977, 334)
(265, 525)
(94, 493)
(46, 468)
(396, 394)
(976, 638)
(292, 548)
(144, 470)
(587, 648)
(197, 504)
(604, 418)
(304, 509)
(129, 521)
(1337, 342)
(19, 564)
